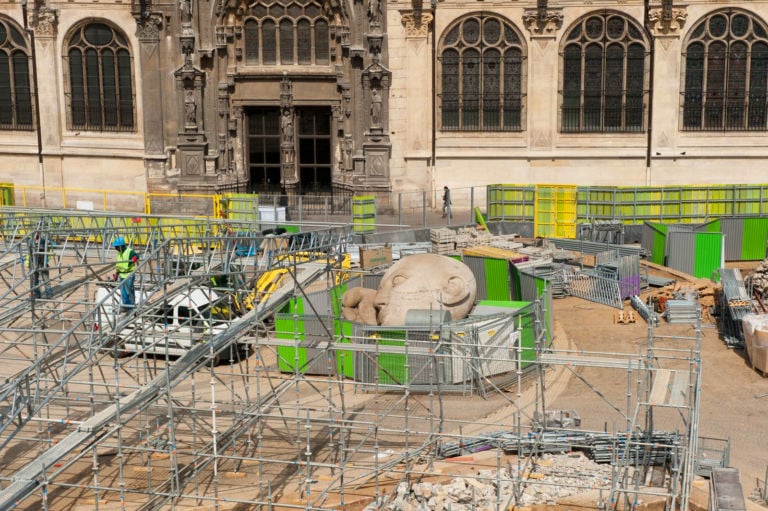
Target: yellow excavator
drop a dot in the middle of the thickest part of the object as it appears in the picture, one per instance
(271, 280)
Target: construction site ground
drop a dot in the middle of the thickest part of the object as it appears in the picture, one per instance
(734, 400)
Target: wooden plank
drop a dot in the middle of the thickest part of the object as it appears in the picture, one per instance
(679, 392)
(659, 390)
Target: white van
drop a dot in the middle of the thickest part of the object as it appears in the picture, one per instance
(172, 327)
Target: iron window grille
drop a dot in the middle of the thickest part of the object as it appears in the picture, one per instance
(605, 83)
(100, 94)
(726, 74)
(16, 97)
(482, 75)
(287, 33)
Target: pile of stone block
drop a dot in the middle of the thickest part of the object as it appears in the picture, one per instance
(443, 241)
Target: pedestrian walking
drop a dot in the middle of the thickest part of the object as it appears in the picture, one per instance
(446, 202)
(39, 276)
(127, 258)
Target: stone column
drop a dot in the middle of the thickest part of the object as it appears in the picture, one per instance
(666, 25)
(419, 103)
(148, 33)
(45, 23)
(542, 105)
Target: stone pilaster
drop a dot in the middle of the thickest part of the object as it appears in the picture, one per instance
(543, 25)
(45, 23)
(419, 100)
(148, 33)
(665, 23)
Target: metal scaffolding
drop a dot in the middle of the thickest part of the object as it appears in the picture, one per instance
(86, 422)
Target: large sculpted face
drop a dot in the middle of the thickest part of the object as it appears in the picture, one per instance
(424, 281)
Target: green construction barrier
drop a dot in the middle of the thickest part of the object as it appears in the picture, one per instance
(634, 205)
(364, 213)
(7, 195)
(753, 239)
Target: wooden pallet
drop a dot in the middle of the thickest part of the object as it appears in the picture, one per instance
(624, 317)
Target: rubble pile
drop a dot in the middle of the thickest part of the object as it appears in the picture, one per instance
(758, 280)
(552, 477)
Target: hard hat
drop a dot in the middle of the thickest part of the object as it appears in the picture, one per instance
(119, 242)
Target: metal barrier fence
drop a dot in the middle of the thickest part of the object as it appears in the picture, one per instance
(416, 208)
(555, 210)
(634, 205)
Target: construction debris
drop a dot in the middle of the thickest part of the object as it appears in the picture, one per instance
(758, 280)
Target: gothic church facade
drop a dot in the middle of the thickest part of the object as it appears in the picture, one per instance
(375, 96)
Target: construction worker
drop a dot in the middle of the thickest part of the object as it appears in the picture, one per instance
(38, 266)
(447, 202)
(126, 266)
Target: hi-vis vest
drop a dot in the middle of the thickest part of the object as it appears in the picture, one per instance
(124, 265)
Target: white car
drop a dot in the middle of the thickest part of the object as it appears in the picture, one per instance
(171, 327)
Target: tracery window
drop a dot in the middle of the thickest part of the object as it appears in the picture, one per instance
(605, 59)
(481, 84)
(15, 92)
(726, 74)
(287, 32)
(100, 85)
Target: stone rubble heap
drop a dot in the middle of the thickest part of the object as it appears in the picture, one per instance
(758, 280)
(553, 477)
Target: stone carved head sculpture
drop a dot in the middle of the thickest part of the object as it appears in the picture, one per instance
(417, 282)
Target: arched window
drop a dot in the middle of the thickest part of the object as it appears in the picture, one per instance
(15, 93)
(481, 85)
(604, 76)
(100, 79)
(287, 32)
(726, 74)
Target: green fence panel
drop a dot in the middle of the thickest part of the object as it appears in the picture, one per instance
(659, 242)
(392, 367)
(497, 279)
(345, 359)
(713, 226)
(708, 258)
(241, 207)
(510, 202)
(525, 321)
(290, 325)
(7, 195)
(753, 240)
(672, 204)
(364, 213)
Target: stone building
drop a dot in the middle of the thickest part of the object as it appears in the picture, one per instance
(374, 96)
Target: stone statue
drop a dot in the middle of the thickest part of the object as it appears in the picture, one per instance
(375, 107)
(185, 8)
(190, 108)
(417, 282)
(286, 126)
(374, 11)
(348, 146)
(334, 9)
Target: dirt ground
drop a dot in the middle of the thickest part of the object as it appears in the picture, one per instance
(734, 398)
